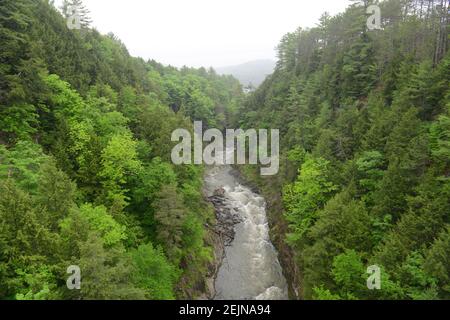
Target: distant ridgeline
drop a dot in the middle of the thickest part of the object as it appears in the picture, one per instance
(364, 118)
(250, 74)
(85, 173)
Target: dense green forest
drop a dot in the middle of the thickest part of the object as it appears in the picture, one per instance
(85, 171)
(365, 165)
(86, 177)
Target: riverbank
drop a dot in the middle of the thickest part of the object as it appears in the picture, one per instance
(221, 234)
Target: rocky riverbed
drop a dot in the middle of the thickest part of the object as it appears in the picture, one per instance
(247, 265)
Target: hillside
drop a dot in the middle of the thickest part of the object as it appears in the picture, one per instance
(364, 118)
(85, 172)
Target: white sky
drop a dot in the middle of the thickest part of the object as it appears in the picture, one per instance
(205, 32)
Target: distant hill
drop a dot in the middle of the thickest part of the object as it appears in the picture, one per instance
(253, 72)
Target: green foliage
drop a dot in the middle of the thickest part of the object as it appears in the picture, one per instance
(154, 273)
(111, 232)
(152, 178)
(64, 101)
(106, 273)
(19, 120)
(119, 160)
(96, 187)
(22, 163)
(324, 294)
(440, 137)
(349, 273)
(56, 193)
(370, 165)
(24, 238)
(86, 178)
(437, 261)
(308, 194)
(365, 113)
(38, 285)
(170, 216)
(419, 285)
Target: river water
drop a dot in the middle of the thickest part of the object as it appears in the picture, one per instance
(250, 268)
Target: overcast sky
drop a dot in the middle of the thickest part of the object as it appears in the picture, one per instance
(206, 32)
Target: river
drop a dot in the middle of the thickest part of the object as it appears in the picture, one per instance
(250, 267)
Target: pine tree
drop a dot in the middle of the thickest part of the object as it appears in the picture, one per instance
(18, 72)
(437, 262)
(170, 216)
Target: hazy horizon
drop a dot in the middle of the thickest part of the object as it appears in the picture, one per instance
(206, 36)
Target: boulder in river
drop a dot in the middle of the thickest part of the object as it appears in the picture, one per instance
(219, 192)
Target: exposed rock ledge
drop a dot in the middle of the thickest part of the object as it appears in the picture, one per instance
(223, 234)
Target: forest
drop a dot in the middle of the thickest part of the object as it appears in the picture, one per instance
(365, 162)
(85, 171)
(86, 176)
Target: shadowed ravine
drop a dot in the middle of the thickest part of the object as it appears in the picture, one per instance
(250, 268)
